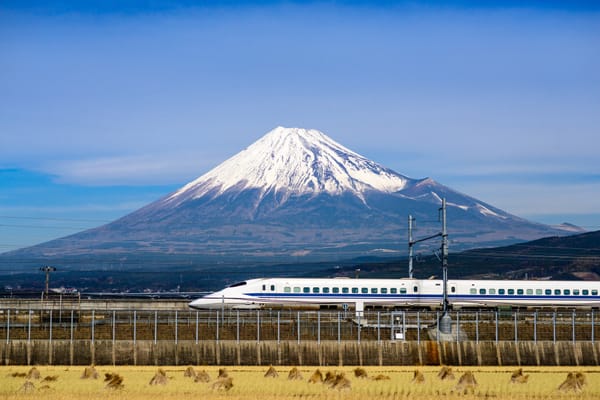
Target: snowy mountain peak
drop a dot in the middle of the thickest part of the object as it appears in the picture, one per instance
(295, 161)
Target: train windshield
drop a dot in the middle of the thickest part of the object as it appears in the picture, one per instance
(237, 284)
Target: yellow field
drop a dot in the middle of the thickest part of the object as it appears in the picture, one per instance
(249, 383)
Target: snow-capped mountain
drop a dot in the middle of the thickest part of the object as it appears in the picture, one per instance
(297, 193)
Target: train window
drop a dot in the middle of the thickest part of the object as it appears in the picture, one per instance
(306, 289)
(481, 291)
(453, 289)
(538, 291)
(556, 291)
(492, 291)
(520, 291)
(364, 290)
(264, 287)
(354, 290)
(374, 290)
(567, 292)
(594, 292)
(325, 290)
(501, 291)
(403, 290)
(335, 290)
(287, 289)
(548, 291)
(345, 290)
(473, 291)
(415, 289)
(296, 289)
(272, 288)
(393, 290)
(238, 284)
(529, 291)
(585, 292)
(511, 291)
(575, 292)
(315, 290)
(383, 290)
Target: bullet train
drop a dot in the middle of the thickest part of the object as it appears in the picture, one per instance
(359, 294)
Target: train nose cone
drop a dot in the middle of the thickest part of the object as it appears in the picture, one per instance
(204, 303)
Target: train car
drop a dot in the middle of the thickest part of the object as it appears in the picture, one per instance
(415, 293)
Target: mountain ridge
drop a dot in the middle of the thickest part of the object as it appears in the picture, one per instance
(295, 193)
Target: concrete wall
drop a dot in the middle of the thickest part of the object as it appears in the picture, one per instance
(327, 353)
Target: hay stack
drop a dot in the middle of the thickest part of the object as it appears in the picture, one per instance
(114, 381)
(295, 374)
(160, 378)
(341, 383)
(418, 377)
(271, 373)
(581, 379)
(223, 384)
(381, 377)
(329, 378)
(446, 373)
(50, 378)
(360, 373)
(518, 377)
(202, 376)
(467, 383)
(18, 374)
(189, 373)
(33, 374)
(316, 377)
(571, 383)
(89, 373)
(223, 373)
(27, 387)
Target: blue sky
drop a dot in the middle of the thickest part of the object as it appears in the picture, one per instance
(106, 106)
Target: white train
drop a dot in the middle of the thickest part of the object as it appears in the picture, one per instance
(361, 293)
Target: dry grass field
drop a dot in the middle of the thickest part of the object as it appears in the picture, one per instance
(250, 383)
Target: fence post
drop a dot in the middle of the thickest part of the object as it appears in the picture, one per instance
(258, 325)
(50, 327)
(535, 326)
(592, 326)
(217, 327)
(298, 327)
(339, 327)
(71, 325)
(155, 326)
(196, 326)
(477, 326)
(573, 335)
(516, 328)
(93, 323)
(554, 327)
(113, 327)
(318, 327)
(496, 313)
(278, 327)
(7, 326)
(378, 328)
(418, 327)
(134, 326)
(457, 326)
(29, 327)
(176, 328)
(237, 333)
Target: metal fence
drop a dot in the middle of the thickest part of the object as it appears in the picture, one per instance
(293, 325)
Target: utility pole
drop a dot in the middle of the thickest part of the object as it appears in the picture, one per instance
(410, 246)
(446, 321)
(47, 269)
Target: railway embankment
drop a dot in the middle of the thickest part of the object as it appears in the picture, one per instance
(325, 353)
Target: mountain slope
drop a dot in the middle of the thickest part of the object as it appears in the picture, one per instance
(295, 193)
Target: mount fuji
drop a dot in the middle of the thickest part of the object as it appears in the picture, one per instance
(296, 194)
